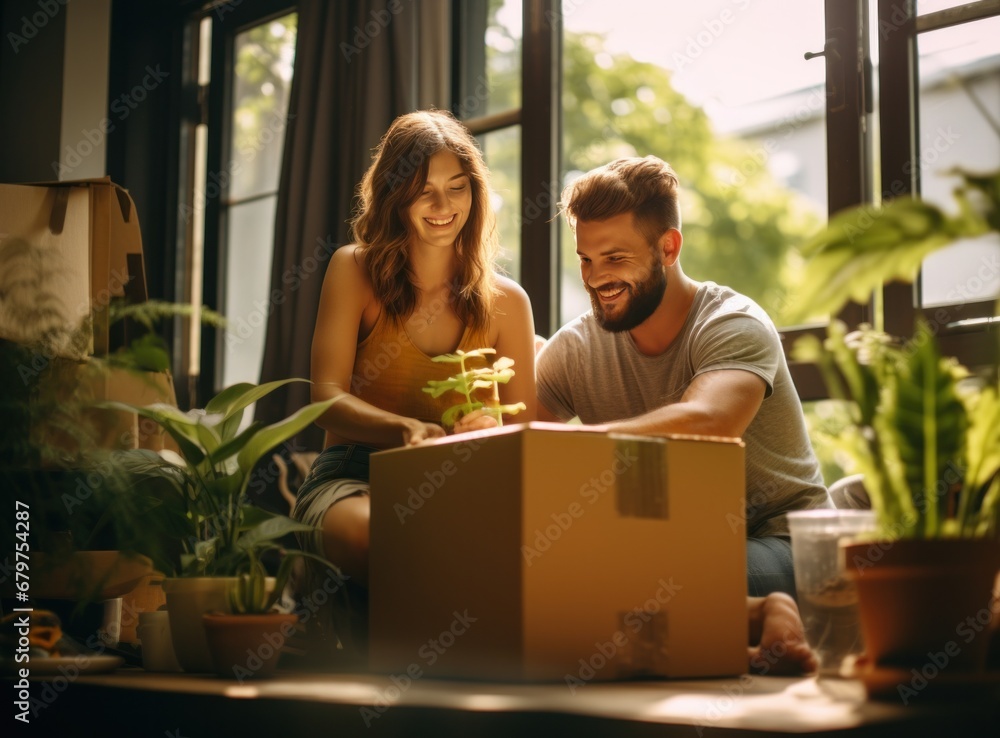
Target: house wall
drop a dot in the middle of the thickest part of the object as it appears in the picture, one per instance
(32, 46)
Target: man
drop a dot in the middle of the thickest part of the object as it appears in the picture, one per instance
(665, 354)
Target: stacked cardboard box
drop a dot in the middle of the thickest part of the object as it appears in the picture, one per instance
(66, 250)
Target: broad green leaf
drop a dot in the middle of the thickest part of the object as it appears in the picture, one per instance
(267, 438)
(235, 398)
(233, 445)
(181, 426)
(273, 529)
(862, 248)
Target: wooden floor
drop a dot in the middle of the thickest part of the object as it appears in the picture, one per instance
(131, 702)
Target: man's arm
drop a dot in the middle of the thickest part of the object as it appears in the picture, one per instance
(551, 371)
(546, 415)
(717, 403)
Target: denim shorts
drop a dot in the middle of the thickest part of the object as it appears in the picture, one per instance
(339, 472)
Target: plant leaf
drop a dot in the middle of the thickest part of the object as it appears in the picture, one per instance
(235, 398)
(863, 247)
(269, 437)
(273, 529)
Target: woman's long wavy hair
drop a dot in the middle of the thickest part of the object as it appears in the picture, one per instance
(381, 227)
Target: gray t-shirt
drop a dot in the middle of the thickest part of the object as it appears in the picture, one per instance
(600, 377)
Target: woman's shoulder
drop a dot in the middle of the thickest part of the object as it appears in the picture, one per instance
(347, 277)
(347, 264)
(509, 292)
(349, 257)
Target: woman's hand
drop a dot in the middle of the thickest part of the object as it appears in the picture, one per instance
(416, 432)
(476, 420)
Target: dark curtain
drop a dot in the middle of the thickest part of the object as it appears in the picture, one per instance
(355, 71)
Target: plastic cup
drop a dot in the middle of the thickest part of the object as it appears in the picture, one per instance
(828, 601)
(157, 646)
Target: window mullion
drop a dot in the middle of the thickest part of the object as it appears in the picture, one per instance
(540, 181)
(897, 113)
(847, 150)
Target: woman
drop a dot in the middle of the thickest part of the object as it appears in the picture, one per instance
(418, 282)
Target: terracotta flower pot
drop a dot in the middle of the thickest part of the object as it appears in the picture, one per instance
(926, 605)
(247, 646)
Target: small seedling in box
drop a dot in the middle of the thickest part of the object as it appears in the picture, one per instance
(468, 382)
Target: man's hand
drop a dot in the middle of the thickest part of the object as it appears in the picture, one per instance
(416, 432)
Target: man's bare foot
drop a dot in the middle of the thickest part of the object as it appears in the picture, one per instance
(777, 639)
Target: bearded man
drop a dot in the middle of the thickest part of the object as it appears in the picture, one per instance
(661, 353)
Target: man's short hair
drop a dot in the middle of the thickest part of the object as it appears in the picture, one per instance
(646, 187)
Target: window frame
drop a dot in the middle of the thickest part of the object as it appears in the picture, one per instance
(211, 105)
(850, 162)
(967, 339)
(541, 72)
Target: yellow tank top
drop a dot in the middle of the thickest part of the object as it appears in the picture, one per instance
(390, 372)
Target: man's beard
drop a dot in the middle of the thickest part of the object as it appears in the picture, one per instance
(643, 300)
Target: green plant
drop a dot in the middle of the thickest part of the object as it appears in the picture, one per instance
(226, 533)
(249, 594)
(925, 433)
(468, 381)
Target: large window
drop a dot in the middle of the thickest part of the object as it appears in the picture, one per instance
(506, 82)
(241, 61)
(722, 91)
(939, 85)
(771, 113)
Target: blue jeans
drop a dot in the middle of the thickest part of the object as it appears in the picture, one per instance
(769, 566)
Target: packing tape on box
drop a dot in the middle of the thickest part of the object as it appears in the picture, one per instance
(643, 638)
(640, 479)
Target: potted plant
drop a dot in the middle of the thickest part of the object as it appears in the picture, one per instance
(926, 435)
(225, 533)
(247, 641)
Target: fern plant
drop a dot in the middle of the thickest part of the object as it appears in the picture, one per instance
(468, 382)
(925, 434)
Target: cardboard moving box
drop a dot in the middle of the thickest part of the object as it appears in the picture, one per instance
(81, 384)
(66, 249)
(547, 552)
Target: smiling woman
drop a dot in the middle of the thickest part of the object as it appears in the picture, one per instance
(419, 281)
(440, 213)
